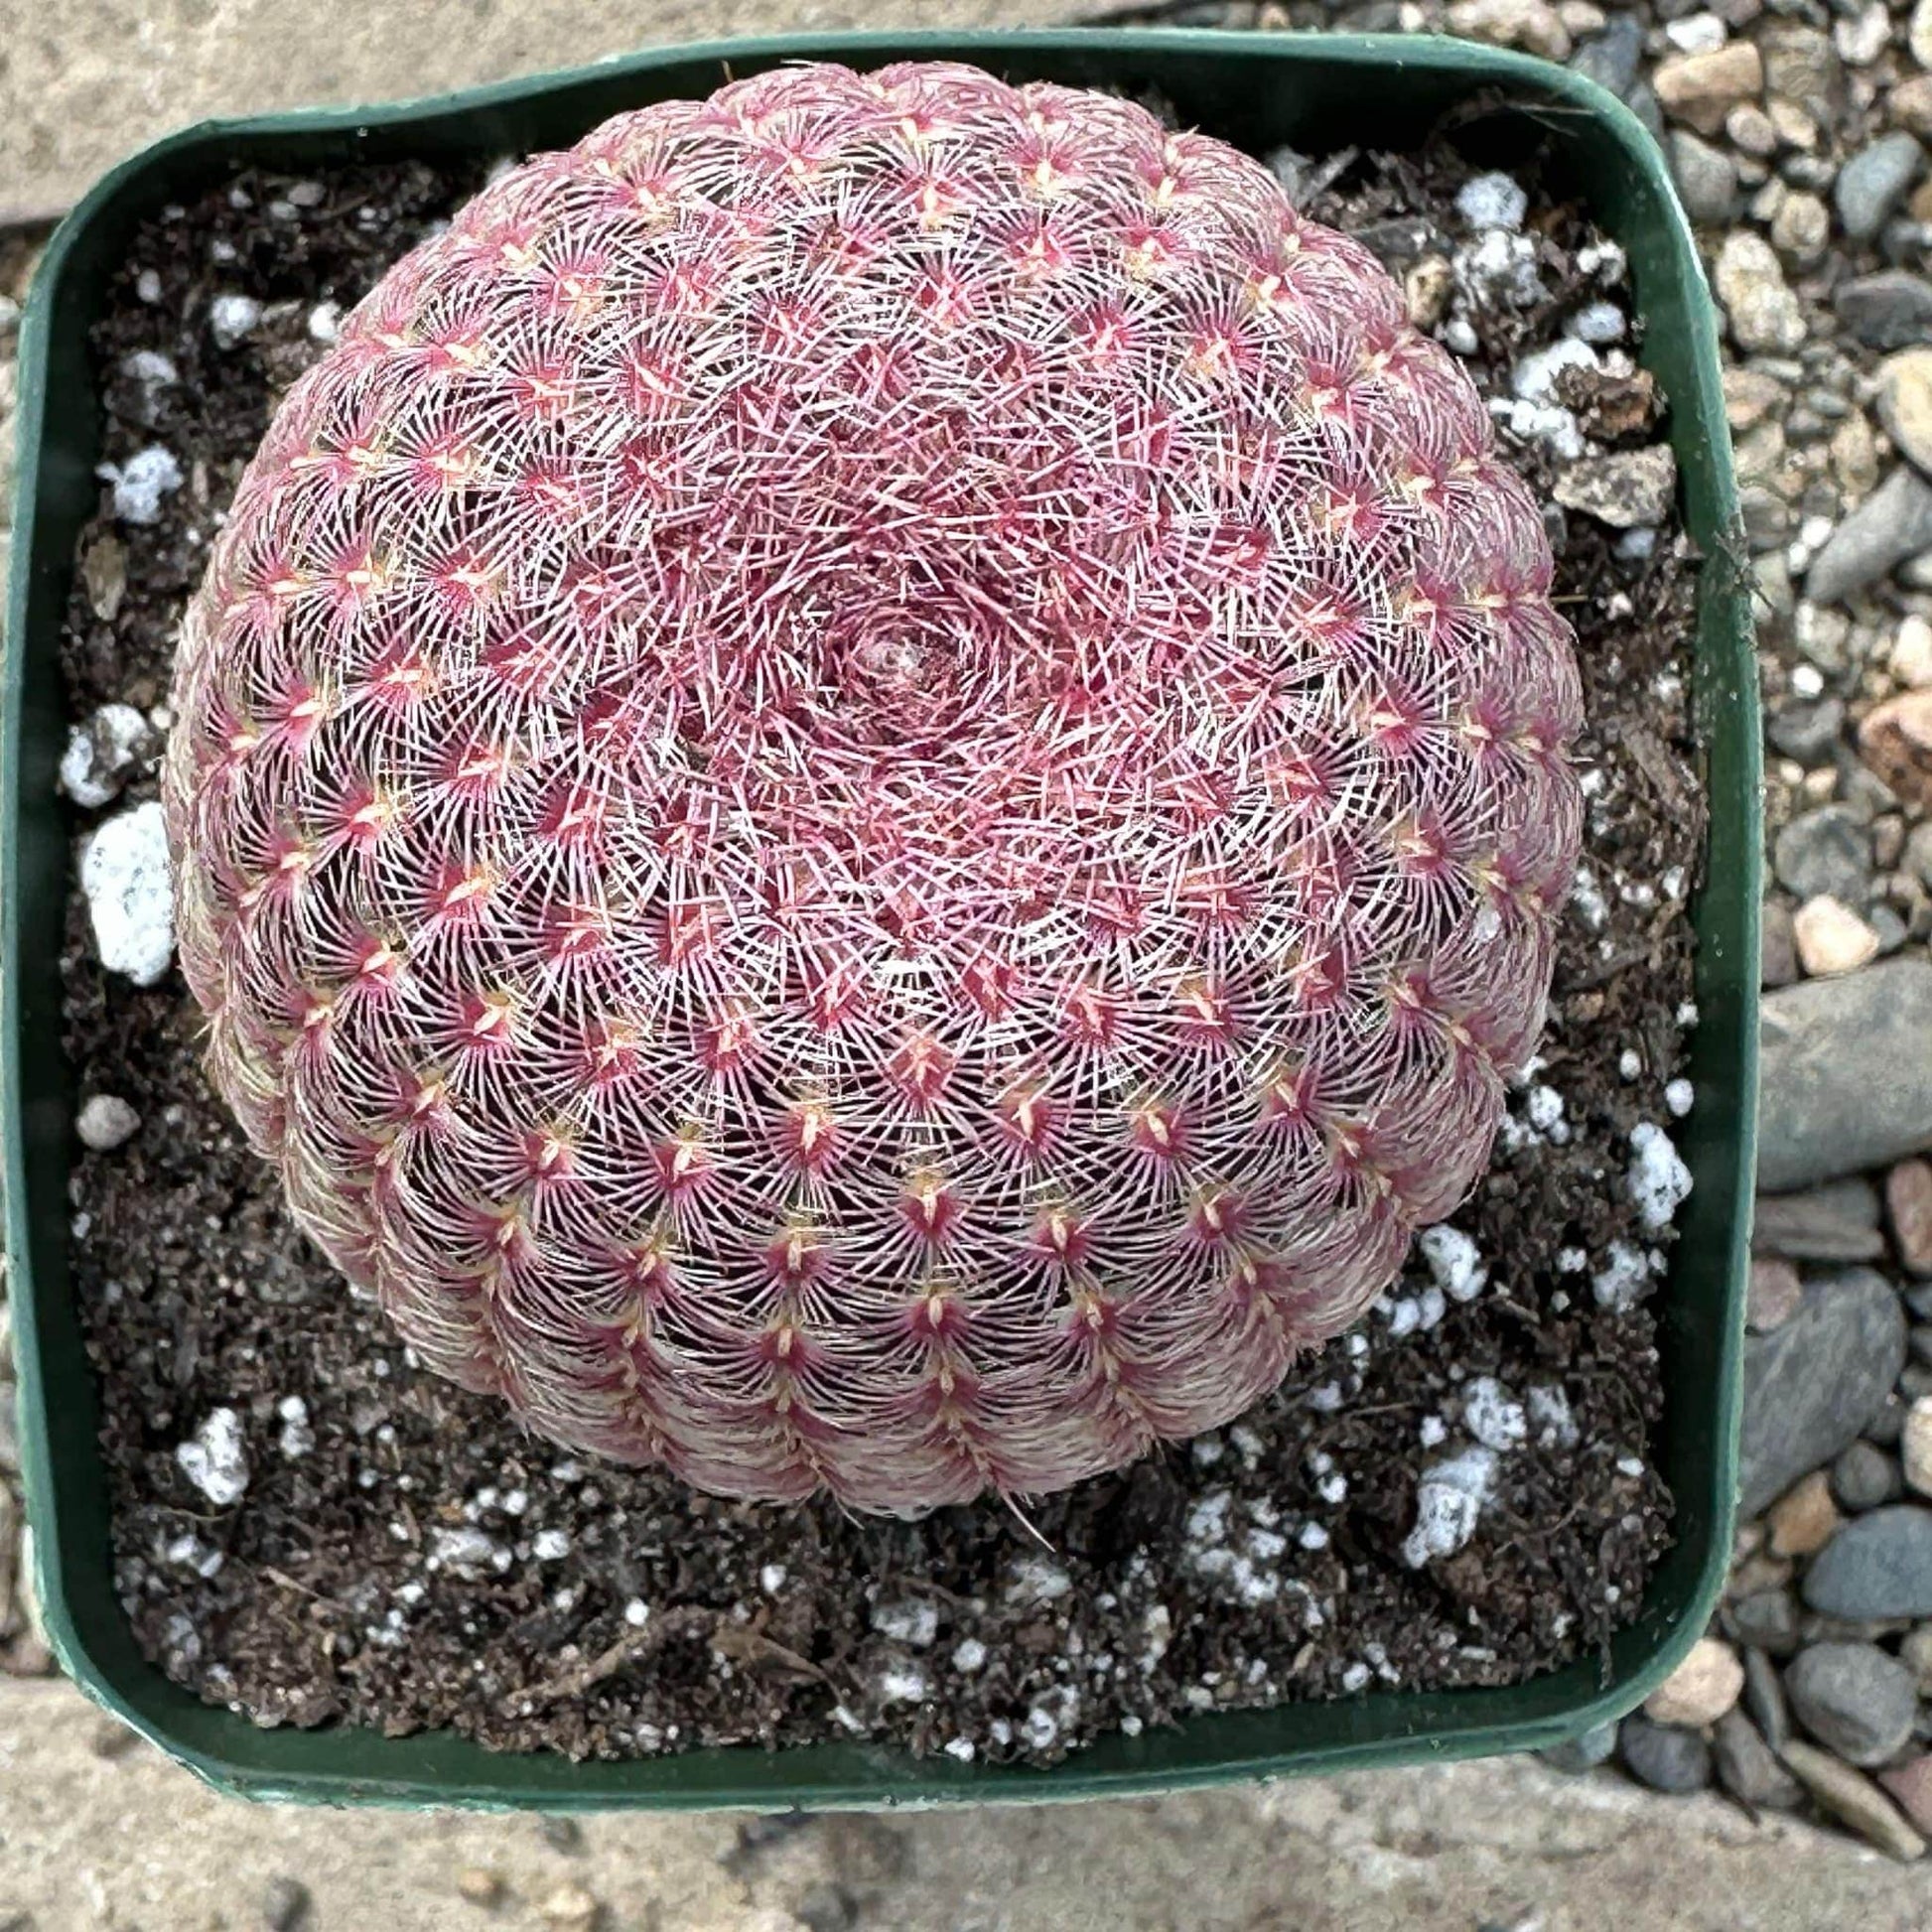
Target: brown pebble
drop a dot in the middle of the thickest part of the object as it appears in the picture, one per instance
(1803, 1518)
(1910, 1785)
(1908, 1201)
(1774, 1295)
(480, 1885)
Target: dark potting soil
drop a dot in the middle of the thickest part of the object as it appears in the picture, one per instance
(403, 1556)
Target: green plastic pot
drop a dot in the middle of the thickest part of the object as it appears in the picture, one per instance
(1258, 91)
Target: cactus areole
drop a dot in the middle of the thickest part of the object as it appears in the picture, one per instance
(870, 791)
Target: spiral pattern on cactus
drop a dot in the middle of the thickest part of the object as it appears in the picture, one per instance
(869, 793)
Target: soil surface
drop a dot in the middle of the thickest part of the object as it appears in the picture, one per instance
(403, 1556)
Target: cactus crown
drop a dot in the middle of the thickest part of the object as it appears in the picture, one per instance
(870, 790)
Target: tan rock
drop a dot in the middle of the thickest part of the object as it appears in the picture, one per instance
(1855, 456)
(1762, 312)
(1700, 89)
(1919, 36)
(1908, 1202)
(1831, 938)
(1796, 128)
(569, 1908)
(1905, 403)
(1916, 1446)
(1910, 104)
(1896, 741)
(1427, 288)
(480, 1885)
(1532, 25)
(1853, 1799)
(1700, 1689)
(1749, 396)
(1912, 653)
(1803, 1518)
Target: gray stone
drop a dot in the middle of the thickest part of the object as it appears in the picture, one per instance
(105, 1121)
(1811, 1385)
(1748, 1768)
(1626, 491)
(1893, 524)
(1877, 1566)
(1847, 1081)
(1864, 1478)
(1663, 1757)
(1827, 851)
(1762, 312)
(1808, 733)
(1779, 963)
(1890, 309)
(1613, 57)
(1835, 1223)
(1764, 1699)
(1874, 183)
(1854, 1699)
(1584, 1753)
(1766, 1619)
(1706, 177)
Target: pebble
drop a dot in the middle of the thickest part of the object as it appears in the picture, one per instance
(1864, 1478)
(1880, 1565)
(1803, 1518)
(1910, 657)
(1584, 1753)
(1835, 1223)
(1916, 1446)
(1766, 1619)
(1700, 89)
(130, 898)
(1613, 56)
(103, 753)
(1918, 35)
(1911, 1788)
(569, 1907)
(1764, 1699)
(1905, 408)
(1847, 1084)
(1892, 524)
(1762, 312)
(1779, 963)
(480, 1885)
(215, 1458)
(1823, 854)
(1895, 742)
(1915, 1652)
(1910, 104)
(1807, 732)
(1748, 1768)
(1700, 1689)
(1873, 182)
(1908, 1206)
(105, 1121)
(1860, 37)
(1830, 937)
(1854, 1698)
(1853, 1799)
(1801, 228)
(1625, 491)
(1888, 309)
(1706, 177)
(1666, 1757)
(1812, 1383)
(1775, 1295)
(1532, 25)
(1659, 1181)
(140, 484)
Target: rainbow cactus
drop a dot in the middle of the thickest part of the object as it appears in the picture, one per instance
(871, 789)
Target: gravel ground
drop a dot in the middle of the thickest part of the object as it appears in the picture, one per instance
(1798, 135)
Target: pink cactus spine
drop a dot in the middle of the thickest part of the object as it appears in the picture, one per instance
(870, 791)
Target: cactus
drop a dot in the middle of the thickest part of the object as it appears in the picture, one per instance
(870, 791)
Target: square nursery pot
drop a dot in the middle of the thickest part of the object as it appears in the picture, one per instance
(1258, 91)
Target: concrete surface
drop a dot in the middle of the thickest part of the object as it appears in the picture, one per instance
(83, 83)
(94, 1836)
